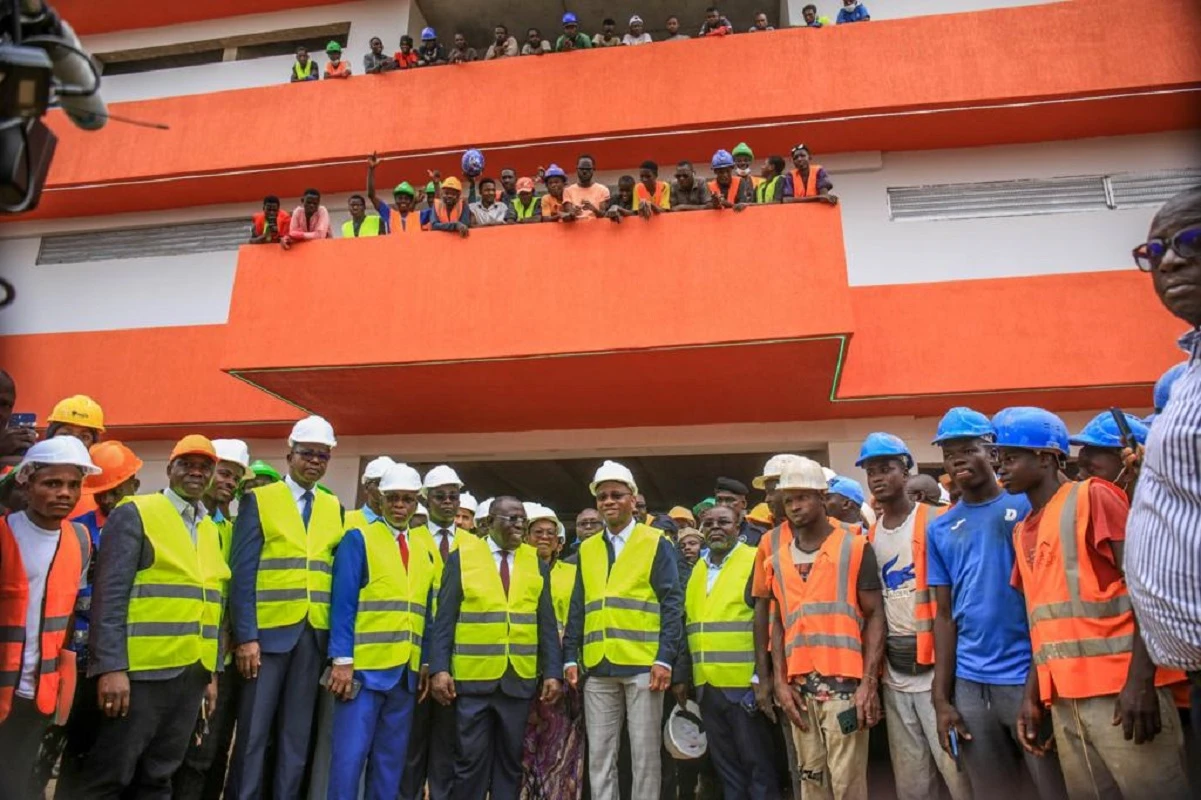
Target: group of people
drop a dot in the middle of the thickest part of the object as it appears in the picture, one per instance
(456, 205)
(430, 52)
(1025, 634)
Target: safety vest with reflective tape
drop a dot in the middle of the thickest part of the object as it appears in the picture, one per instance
(494, 631)
(805, 188)
(823, 622)
(368, 227)
(621, 609)
(719, 624)
(562, 585)
(923, 595)
(296, 566)
(62, 582)
(1082, 635)
(175, 604)
(389, 625)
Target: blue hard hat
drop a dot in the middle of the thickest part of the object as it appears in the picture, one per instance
(1102, 431)
(722, 159)
(1163, 386)
(427, 34)
(472, 163)
(1031, 429)
(554, 171)
(880, 444)
(963, 423)
(848, 488)
(569, 19)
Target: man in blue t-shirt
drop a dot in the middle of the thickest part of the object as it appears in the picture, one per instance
(981, 637)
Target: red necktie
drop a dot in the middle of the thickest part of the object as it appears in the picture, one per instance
(404, 549)
(504, 570)
(444, 546)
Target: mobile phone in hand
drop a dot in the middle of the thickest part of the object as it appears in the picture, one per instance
(24, 419)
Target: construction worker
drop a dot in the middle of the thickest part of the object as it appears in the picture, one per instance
(733, 493)
(359, 224)
(468, 505)
(827, 634)
(807, 182)
(261, 473)
(1101, 446)
(481, 515)
(844, 500)
(744, 164)
(1115, 724)
(494, 647)
(282, 562)
(79, 416)
(154, 644)
(899, 540)
(726, 190)
(43, 562)
(719, 661)
(431, 755)
(767, 483)
(370, 511)
(202, 774)
(981, 638)
(625, 624)
(383, 595)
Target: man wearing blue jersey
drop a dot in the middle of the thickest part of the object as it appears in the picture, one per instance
(981, 637)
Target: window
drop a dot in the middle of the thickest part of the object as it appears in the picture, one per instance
(172, 239)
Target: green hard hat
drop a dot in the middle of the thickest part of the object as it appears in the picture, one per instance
(404, 187)
(333, 47)
(262, 468)
(703, 506)
(431, 187)
(743, 149)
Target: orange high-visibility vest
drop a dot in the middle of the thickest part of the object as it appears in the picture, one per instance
(923, 596)
(661, 198)
(412, 222)
(1082, 635)
(823, 623)
(731, 194)
(803, 188)
(62, 584)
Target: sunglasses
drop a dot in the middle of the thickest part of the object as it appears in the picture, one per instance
(603, 496)
(515, 519)
(312, 455)
(1187, 244)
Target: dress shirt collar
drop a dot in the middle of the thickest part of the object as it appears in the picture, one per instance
(715, 567)
(624, 533)
(298, 490)
(188, 510)
(370, 515)
(1191, 344)
(392, 529)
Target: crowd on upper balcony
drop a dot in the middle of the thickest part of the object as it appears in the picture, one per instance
(457, 205)
(431, 52)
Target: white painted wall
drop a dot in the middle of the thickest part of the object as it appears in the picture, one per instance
(790, 10)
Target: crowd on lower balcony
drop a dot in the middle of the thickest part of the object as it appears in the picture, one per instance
(456, 205)
(431, 52)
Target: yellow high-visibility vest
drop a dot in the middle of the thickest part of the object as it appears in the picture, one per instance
(495, 631)
(562, 584)
(719, 624)
(389, 626)
(621, 609)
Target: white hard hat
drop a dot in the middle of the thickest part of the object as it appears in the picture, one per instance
(612, 471)
(234, 451)
(484, 509)
(683, 735)
(376, 468)
(468, 502)
(804, 473)
(422, 510)
(773, 469)
(313, 430)
(401, 478)
(829, 473)
(536, 511)
(868, 513)
(440, 475)
(59, 451)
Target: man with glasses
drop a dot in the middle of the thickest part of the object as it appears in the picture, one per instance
(494, 646)
(625, 624)
(282, 563)
(687, 193)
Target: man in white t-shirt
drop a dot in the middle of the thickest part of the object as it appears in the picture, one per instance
(43, 564)
(899, 541)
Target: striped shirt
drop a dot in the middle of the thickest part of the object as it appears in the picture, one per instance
(1163, 536)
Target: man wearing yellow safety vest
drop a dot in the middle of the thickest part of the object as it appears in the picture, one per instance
(625, 626)
(154, 642)
(899, 539)
(383, 594)
(370, 511)
(202, 773)
(494, 643)
(719, 660)
(282, 563)
(359, 224)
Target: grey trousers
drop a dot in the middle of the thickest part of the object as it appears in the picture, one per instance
(607, 702)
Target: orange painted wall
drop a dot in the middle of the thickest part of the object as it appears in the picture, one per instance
(90, 17)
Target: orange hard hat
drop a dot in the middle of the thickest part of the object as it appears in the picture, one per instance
(117, 463)
(194, 444)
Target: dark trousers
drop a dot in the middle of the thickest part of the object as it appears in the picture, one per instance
(80, 735)
(20, 738)
(283, 696)
(431, 755)
(491, 728)
(202, 774)
(135, 756)
(740, 747)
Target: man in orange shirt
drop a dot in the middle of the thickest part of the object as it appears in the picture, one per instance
(651, 196)
(336, 67)
(552, 202)
(586, 199)
(1115, 726)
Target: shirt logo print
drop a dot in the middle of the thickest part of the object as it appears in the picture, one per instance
(896, 578)
(958, 524)
(1011, 514)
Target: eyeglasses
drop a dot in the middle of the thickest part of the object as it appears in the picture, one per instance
(589, 524)
(312, 455)
(1187, 244)
(603, 496)
(440, 497)
(516, 519)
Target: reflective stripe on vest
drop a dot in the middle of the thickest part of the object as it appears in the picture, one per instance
(719, 624)
(368, 227)
(296, 566)
(765, 191)
(661, 197)
(1083, 636)
(924, 606)
(495, 631)
(175, 603)
(389, 625)
(803, 188)
(525, 212)
(62, 582)
(621, 609)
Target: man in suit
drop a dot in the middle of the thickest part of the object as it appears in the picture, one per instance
(495, 641)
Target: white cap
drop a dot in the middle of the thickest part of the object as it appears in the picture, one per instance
(773, 469)
(59, 451)
(441, 475)
(234, 451)
(804, 473)
(467, 501)
(313, 430)
(484, 510)
(536, 511)
(635, 20)
(422, 510)
(612, 471)
(400, 478)
(376, 468)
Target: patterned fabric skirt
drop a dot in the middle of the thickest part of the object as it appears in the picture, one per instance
(553, 763)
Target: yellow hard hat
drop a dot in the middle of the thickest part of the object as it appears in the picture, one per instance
(79, 410)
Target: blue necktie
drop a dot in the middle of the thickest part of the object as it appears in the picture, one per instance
(306, 510)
